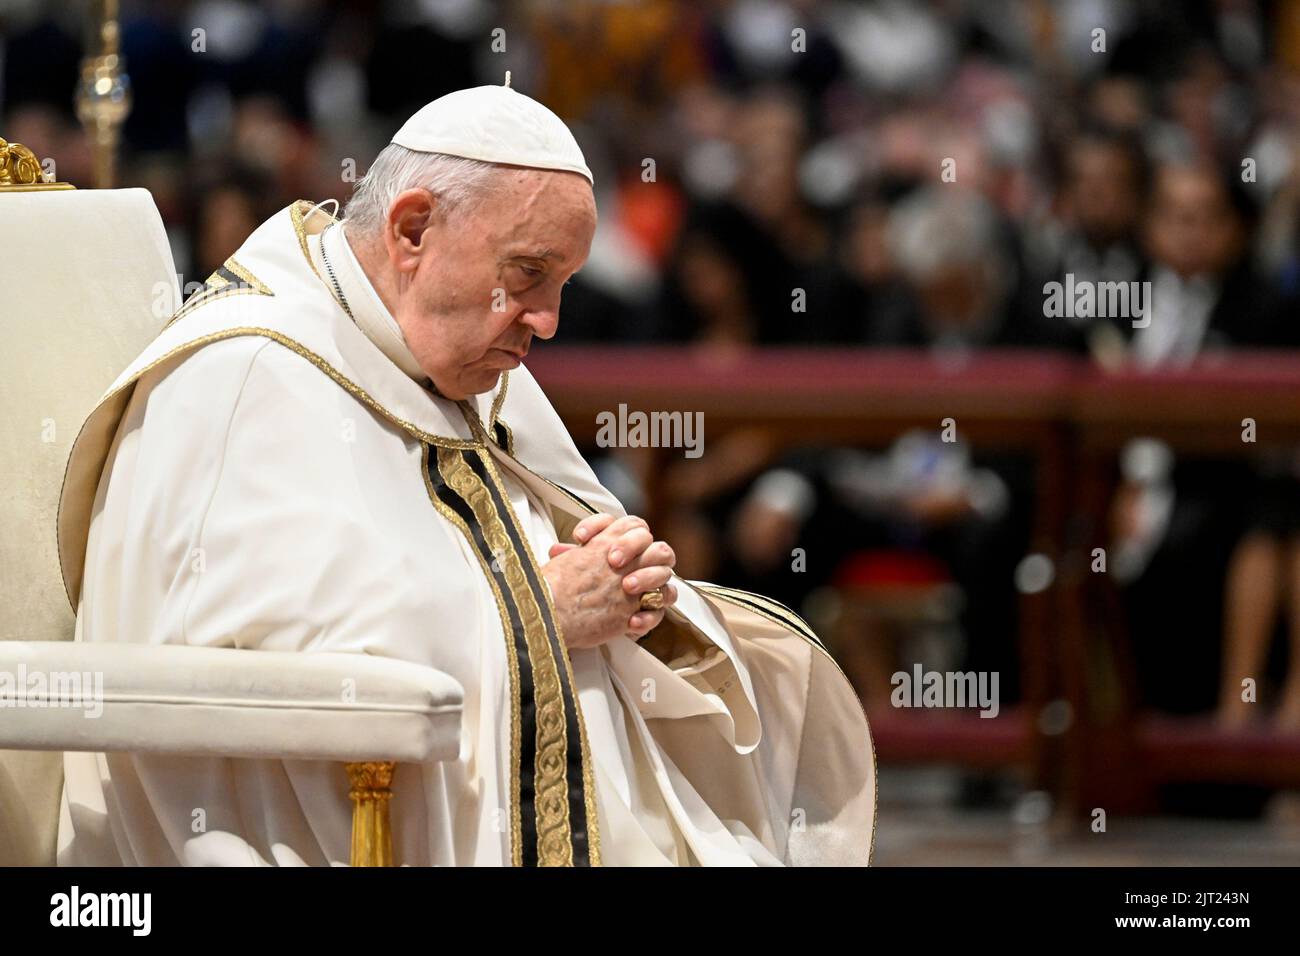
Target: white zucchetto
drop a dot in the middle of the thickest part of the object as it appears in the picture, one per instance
(496, 125)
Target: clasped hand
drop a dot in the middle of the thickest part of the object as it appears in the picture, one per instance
(597, 581)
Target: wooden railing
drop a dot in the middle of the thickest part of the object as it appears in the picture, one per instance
(1071, 418)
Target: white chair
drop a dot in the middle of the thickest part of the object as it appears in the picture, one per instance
(86, 281)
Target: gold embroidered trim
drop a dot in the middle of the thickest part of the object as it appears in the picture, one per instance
(299, 220)
(353, 389)
(248, 277)
(589, 787)
(516, 831)
(499, 400)
(588, 778)
(339, 378)
(494, 417)
(551, 796)
(217, 287)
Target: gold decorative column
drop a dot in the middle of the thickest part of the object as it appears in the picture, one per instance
(104, 96)
(372, 790)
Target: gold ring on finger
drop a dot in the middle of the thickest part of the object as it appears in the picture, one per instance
(652, 600)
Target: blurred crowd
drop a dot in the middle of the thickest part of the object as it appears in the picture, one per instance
(780, 172)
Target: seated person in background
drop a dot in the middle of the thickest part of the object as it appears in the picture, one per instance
(1175, 522)
(958, 262)
(1095, 236)
(1263, 583)
(1206, 293)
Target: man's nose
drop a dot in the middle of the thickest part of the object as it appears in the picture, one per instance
(543, 322)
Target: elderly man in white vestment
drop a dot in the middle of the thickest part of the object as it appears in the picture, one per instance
(334, 446)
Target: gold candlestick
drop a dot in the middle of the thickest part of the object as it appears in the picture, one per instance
(104, 96)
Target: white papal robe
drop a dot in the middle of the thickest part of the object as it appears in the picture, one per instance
(273, 473)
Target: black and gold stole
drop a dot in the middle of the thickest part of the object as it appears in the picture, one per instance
(553, 810)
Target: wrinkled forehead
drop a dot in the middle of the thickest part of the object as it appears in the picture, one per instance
(554, 210)
(558, 190)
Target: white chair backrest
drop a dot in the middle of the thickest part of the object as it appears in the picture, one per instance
(86, 282)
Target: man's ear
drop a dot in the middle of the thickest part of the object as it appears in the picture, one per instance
(410, 216)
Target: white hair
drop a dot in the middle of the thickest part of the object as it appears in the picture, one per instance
(458, 184)
(936, 228)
